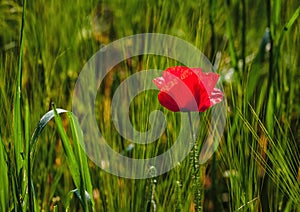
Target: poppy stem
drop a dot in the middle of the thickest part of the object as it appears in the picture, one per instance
(197, 186)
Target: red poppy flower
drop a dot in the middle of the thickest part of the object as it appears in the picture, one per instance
(188, 89)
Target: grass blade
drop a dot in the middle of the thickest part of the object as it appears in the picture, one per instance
(18, 130)
(78, 195)
(31, 150)
(288, 25)
(4, 195)
(41, 125)
(70, 157)
(76, 164)
(76, 159)
(81, 156)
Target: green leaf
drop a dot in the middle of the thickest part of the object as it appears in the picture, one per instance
(76, 160)
(4, 195)
(41, 125)
(70, 157)
(31, 149)
(18, 130)
(77, 136)
(292, 19)
(288, 25)
(79, 196)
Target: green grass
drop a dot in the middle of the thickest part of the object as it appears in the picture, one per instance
(257, 164)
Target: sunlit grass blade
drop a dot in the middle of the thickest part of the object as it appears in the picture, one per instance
(17, 123)
(26, 171)
(79, 196)
(286, 29)
(18, 130)
(41, 125)
(81, 156)
(282, 155)
(76, 160)
(31, 151)
(69, 153)
(292, 19)
(75, 166)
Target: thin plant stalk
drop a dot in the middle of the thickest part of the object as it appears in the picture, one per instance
(197, 186)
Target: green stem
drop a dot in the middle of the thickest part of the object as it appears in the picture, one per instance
(198, 199)
(152, 203)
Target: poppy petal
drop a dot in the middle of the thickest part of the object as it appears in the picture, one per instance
(216, 96)
(159, 82)
(168, 102)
